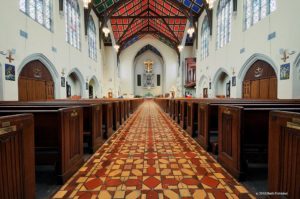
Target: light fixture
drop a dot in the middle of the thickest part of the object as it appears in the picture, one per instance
(180, 48)
(191, 31)
(86, 3)
(116, 47)
(106, 31)
(210, 3)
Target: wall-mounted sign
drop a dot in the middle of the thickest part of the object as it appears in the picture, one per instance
(285, 71)
(10, 72)
(63, 82)
(233, 81)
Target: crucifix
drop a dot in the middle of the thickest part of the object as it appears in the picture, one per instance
(10, 59)
(148, 66)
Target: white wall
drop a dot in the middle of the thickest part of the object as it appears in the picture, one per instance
(127, 64)
(39, 45)
(110, 72)
(256, 45)
(157, 70)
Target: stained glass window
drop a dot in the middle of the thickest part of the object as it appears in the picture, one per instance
(205, 32)
(38, 10)
(72, 20)
(256, 10)
(224, 17)
(92, 39)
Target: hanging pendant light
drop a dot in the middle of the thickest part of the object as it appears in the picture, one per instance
(86, 3)
(180, 48)
(210, 3)
(191, 31)
(116, 47)
(106, 30)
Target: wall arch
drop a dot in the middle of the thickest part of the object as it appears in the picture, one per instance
(96, 86)
(247, 65)
(158, 62)
(169, 55)
(220, 79)
(77, 72)
(48, 64)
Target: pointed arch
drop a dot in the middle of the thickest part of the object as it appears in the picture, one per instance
(80, 77)
(48, 64)
(247, 65)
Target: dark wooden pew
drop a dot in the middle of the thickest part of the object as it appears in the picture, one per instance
(243, 135)
(58, 139)
(177, 112)
(17, 171)
(92, 119)
(284, 156)
(202, 117)
(183, 113)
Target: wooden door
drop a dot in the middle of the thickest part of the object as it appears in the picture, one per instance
(264, 88)
(246, 89)
(22, 89)
(30, 89)
(254, 89)
(35, 82)
(40, 90)
(273, 88)
(50, 90)
(260, 82)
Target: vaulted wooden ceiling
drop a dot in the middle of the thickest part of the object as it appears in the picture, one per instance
(133, 19)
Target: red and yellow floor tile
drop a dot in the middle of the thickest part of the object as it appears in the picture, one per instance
(151, 157)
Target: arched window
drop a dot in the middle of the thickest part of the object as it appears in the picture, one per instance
(92, 39)
(224, 17)
(204, 38)
(72, 17)
(38, 10)
(256, 10)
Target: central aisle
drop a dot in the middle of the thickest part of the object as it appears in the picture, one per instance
(150, 157)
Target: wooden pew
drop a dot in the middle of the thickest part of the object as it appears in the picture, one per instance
(284, 156)
(183, 114)
(192, 118)
(93, 134)
(243, 135)
(17, 171)
(203, 117)
(58, 137)
(177, 112)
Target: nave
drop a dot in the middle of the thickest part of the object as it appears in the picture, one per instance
(151, 157)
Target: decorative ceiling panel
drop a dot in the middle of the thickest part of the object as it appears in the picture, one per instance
(166, 20)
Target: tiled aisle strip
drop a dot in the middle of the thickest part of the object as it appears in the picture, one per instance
(151, 157)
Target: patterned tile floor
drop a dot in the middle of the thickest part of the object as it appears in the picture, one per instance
(151, 157)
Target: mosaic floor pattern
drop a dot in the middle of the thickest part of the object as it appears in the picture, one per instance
(151, 157)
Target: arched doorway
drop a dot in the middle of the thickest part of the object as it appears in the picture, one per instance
(260, 82)
(222, 85)
(74, 90)
(35, 82)
(92, 88)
